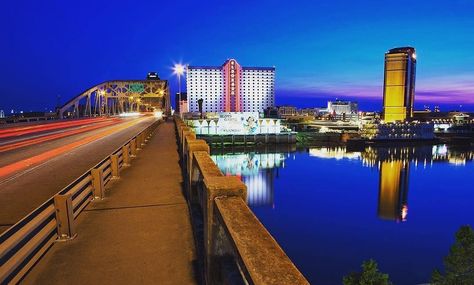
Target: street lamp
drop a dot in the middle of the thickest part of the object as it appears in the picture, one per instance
(179, 69)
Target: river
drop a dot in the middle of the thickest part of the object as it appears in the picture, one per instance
(330, 209)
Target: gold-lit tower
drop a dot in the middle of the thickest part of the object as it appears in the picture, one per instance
(399, 84)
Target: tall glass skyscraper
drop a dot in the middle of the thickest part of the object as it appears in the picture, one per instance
(399, 84)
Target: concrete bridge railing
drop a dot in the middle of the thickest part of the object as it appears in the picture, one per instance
(22, 245)
(236, 247)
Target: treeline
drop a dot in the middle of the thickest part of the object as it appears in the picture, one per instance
(458, 266)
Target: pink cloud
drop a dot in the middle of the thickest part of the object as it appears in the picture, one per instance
(455, 90)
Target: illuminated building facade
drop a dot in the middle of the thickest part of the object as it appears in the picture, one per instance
(343, 110)
(398, 131)
(399, 84)
(230, 88)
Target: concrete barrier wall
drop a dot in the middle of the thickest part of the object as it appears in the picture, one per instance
(236, 247)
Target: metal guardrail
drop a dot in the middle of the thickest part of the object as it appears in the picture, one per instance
(22, 245)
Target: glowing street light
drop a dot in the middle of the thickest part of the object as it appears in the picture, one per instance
(179, 69)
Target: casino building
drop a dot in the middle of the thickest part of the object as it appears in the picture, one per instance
(399, 84)
(230, 88)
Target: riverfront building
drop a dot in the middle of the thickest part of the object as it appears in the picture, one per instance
(399, 84)
(343, 110)
(230, 88)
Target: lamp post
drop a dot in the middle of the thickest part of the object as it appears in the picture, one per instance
(178, 69)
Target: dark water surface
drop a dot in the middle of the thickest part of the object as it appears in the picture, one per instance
(330, 209)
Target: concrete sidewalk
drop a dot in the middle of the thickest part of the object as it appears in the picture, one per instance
(140, 234)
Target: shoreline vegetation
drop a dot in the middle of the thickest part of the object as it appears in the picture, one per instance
(458, 265)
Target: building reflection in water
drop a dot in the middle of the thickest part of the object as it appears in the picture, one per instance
(257, 170)
(393, 190)
(393, 164)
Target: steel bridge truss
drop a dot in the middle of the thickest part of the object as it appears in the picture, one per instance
(119, 96)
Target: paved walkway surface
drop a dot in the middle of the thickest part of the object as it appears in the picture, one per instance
(140, 234)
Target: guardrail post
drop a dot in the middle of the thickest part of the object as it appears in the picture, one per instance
(126, 155)
(187, 136)
(133, 147)
(98, 183)
(138, 142)
(114, 165)
(64, 217)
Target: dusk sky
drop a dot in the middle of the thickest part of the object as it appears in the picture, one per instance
(322, 50)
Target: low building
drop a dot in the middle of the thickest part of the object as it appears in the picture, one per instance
(314, 112)
(343, 110)
(271, 112)
(181, 102)
(287, 111)
(235, 123)
(398, 131)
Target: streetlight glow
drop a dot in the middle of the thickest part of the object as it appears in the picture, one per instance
(178, 69)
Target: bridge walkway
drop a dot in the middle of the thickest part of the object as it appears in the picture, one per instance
(140, 233)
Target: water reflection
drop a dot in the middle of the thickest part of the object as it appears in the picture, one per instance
(330, 208)
(258, 170)
(393, 190)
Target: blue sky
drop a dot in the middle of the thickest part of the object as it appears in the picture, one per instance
(321, 49)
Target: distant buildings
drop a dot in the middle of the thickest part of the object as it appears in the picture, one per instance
(231, 87)
(181, 102)
(287, 111)
(336, 110)
(2, 114)
(342, 110)
(399, 84)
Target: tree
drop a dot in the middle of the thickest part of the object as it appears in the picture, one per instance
(459, 264)
(370, 275)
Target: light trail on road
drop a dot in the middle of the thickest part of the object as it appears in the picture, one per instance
(19, 131)
(43, 157)
(28, 142)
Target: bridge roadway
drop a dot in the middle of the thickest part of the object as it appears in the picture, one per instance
(139, 234)
(38, 160)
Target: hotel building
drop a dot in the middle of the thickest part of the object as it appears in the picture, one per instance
(399, 84)
(230, 88)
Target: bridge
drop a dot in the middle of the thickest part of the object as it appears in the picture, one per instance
(119, 96)
(126, 200)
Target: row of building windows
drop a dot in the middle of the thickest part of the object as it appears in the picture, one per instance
(201, 70)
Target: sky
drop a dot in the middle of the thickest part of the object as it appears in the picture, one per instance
(322, 50)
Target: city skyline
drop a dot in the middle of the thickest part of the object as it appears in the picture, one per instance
(322, 51)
